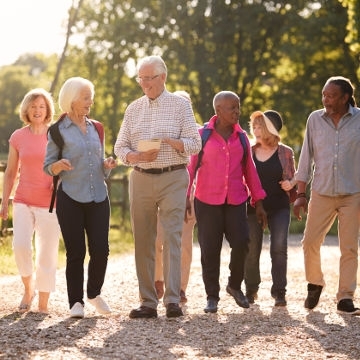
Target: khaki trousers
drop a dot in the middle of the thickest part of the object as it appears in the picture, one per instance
(186, 250)
(322, 213)
(152, 196)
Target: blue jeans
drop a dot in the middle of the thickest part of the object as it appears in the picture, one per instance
(278, 223)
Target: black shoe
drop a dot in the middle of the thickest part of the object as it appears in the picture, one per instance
(279, 297)
(239, 297)
(211, 306)
(346, 306)
(251, 296)
(173, 310)
(143, 312)
(313, 296)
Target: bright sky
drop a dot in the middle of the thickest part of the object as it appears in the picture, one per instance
(31, 26)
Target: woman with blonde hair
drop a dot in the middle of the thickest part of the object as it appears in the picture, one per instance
(27, 147)
(276, 168)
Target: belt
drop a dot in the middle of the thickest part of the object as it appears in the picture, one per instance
(160, 170)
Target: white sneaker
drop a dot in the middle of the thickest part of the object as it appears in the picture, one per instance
(101, 306)
(77, 311)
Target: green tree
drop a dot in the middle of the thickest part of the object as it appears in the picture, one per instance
(274, 54)
(15, 81)
(271, 53)
(353, 30)
(28, 71)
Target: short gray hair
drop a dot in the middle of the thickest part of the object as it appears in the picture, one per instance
(157, 61)
(225, 94)
(70, 91)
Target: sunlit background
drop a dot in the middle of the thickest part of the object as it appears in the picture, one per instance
(31, 26)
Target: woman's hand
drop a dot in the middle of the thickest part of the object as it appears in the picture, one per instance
(109, 163)
(261, 214)
(4, 212)
(287, 185)
(61, 165)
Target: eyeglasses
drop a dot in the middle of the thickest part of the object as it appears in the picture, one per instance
(146, 78)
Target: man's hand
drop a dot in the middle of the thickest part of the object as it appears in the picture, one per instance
(176, 144)
(134, 157)
(300, 203)
(261, 214)
(148, 156)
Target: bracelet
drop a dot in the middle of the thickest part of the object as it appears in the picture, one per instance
(301, 195)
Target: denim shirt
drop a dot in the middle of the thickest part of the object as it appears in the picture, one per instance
(330, 156)
(86, 182)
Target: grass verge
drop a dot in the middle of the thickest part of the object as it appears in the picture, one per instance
(120, 242)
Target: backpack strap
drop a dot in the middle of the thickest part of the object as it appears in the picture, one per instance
(204, 138)
(100, 129)
(244, 145)
(59, 141)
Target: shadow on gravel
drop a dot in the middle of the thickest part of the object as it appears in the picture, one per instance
(227, 336)
(198, 336)
(220, 336)
(65, 333)
(323, 331)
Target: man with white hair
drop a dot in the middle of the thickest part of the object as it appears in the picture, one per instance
(165, 123)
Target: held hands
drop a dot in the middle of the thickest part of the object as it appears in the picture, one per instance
(261, 214)
(300, 203)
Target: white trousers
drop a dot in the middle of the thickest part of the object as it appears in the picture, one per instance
(36, 238)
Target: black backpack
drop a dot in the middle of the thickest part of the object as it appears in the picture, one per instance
(59, 141)
(205, 137)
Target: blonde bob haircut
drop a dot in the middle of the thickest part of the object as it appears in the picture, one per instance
(29, 98)
(70, 92)
(258, 118)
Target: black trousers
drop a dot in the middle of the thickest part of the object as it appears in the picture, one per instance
(77, 220)
(214, 222)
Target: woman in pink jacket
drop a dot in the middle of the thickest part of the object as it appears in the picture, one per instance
(223, 180)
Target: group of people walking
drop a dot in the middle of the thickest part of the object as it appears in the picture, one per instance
(230, 185)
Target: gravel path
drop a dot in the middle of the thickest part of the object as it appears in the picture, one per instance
(261, 332)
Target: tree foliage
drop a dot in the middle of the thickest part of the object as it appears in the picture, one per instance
(274, 54)
(353, 29)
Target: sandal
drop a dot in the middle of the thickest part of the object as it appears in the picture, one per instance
(24, 307)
